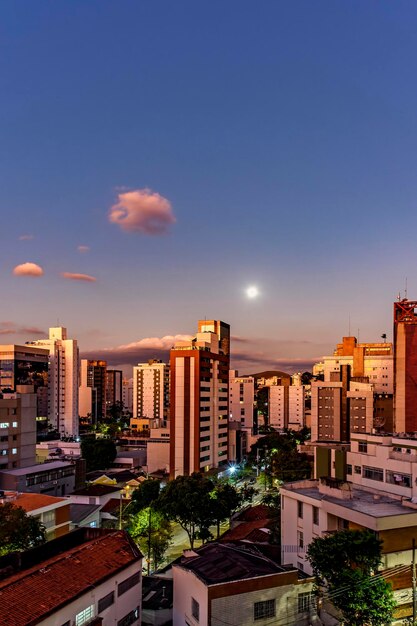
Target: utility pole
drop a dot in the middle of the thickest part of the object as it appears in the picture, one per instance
(149, 539)
(414, 583)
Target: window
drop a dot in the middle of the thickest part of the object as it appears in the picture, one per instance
(128, 583)
(105, 602)
(130, 618)
(358, 469)
(264, 609)
(363, 446)
(300, 509)
(304, 602)
(315, 515)
(373, 473)
(396, 478)
(348, 469)
(195, 609)
(84, 616)
(300, 540)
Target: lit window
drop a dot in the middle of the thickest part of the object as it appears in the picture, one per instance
(84, 616)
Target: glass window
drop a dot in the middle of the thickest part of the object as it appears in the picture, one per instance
(348, 469)
(363, 446)
(300, 509)
(264, 609)
(130, 618)
(84, 616)
(304, 602)
(373, 473)
(195, 609)
(105, 602)
(128, 583)
(397, 478)
(315, 515)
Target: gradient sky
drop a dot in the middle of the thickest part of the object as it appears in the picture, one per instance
(278, 140)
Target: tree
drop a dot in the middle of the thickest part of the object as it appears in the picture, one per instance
(349, 560)
(187, 501)
(152, 531)
(19, 531)
(225, 500)
(288, 466)
(98, 453)
(145, 495)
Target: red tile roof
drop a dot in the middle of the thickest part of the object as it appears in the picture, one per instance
(28, 597)
(33, 501)
(255, 513)
(244, 530)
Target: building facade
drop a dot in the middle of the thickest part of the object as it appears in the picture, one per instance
(151, 398)
(241, 398)
(63, 381)
(114, 380)
(17, 430)
(93, 374)
(286, 406)
(405, 378)
(199, 400)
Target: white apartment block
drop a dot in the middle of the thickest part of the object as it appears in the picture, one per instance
(63, 381)
(151, 390)
(286, 406)
(17, 430)
(241, 398)
(127, 394)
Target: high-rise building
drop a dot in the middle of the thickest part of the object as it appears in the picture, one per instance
(199, 400)
(241, 398)
(356, 394)
(93, 374)
(286, 406)
(151, 390)
(63, 380)
(127, 394)
(114, 379)
(26, 367)
(405, 366)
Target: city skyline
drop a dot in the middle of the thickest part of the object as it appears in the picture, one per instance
(157, 161)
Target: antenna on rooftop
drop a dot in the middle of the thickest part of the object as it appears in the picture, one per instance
(406, 290)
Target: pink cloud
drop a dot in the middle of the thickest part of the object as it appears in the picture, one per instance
(28, 269)
(142, 211)
(83, 277)
(138, 351)
(10, 328)
(83, 248)
(26, 237)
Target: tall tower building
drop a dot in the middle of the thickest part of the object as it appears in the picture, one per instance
(405, 366)
(94, 375)
(151, 390)
(199, 400)
(114, 380)
(63, 380)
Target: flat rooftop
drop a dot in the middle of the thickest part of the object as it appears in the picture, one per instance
(367, 502)
(40, 467)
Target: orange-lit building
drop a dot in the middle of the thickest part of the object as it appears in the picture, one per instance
(405, 366)
(199, 400)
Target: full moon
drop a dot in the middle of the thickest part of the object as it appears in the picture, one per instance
(252, 292)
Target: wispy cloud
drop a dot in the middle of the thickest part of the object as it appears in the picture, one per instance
(26, 237)
(83, 249)
(142, 211)
(81, 277)
(10, 328)
(28, 269)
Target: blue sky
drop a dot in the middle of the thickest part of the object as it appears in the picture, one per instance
(282, 135)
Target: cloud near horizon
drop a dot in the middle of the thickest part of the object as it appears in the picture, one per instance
(83, 248)
(142, 211)
(28, 269)
(81, 277)
(10, 328)
(248, 362)
(26, 237)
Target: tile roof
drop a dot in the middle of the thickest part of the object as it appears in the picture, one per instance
(245, 530)
(255, 513)
(216, 563)
(95, 490)
(28, 597)
(32, 501)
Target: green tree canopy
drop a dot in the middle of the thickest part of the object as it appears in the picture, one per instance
(145, 495)
(18, 531)
(187, 501)
(152, 531)
(225, 500)
(98, 453)
(346, 562)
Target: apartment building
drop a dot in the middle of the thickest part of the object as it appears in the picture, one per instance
(93, 375)
(114, 382)
(89, 576)
(17, 430)
(405, 376)
(53, 513)
(286, 406)
(55, 479)
(62, 380)
(241, 398)
(199, 400)
(127, 394)
(151, 390)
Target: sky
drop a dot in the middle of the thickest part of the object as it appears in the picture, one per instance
(158, 158)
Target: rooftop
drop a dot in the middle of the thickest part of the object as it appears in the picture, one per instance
(216, 563)
(79, 512)
(372, 503)
(95, 490)
(157, 593)
(40, 467)
(31, 501)
(57, 580)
